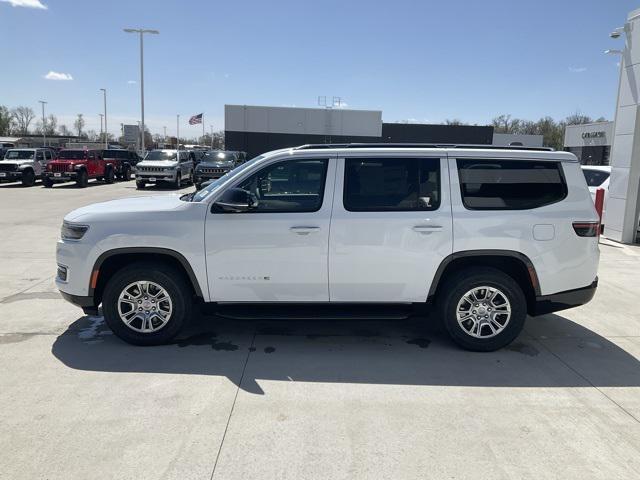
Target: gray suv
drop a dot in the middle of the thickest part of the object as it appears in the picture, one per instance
(173, 167)
(214, 164)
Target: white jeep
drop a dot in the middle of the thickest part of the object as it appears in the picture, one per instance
(24, 164)
(486, 235)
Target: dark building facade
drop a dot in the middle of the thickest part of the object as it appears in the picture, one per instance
(256, 130)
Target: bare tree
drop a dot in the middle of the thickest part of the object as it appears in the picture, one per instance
(79, 124)
(23, 116)
(50, 126)
(454, 121)
(64, 131)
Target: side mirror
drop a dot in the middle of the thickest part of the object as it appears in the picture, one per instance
(236, 200)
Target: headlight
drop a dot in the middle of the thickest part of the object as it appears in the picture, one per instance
(73, 231)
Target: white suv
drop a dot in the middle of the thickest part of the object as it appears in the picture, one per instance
(486, 235)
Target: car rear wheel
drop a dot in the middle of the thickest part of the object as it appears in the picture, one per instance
(483, 309)
(147, 304)
(28, 178)
(140, 185)
(109, 175)
(83, 179)
(126, 174)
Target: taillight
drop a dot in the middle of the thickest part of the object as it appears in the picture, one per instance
(586, 229)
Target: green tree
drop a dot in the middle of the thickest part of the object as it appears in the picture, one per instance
(6, 121)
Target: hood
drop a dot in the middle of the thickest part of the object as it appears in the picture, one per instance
(216, 164)
(157, 163)
(144, 205)
(17, 162)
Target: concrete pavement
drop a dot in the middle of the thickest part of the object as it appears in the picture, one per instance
(303, 399)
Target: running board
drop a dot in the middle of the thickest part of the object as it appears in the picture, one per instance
(313, 311)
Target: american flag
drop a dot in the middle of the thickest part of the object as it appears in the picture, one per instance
(196, 119)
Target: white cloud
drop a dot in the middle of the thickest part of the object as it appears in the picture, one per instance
(131, 82)
(26, 3)
(58, 76)
(577, 69)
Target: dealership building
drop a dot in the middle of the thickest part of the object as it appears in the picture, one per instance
(590, 142)
(258, 129)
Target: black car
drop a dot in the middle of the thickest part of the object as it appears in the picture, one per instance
(214, 164)
(123, 162)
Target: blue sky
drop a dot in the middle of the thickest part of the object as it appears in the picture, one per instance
(414, 60)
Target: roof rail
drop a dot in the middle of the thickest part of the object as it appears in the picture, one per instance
(314, 146)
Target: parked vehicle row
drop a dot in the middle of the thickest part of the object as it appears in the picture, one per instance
(483, 235)
(80, 165)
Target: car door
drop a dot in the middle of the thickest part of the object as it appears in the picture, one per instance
(391, 227)
(277, 251)
(38, 162)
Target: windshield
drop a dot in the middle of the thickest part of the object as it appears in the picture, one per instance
(160, 155)
(595, 178)
(71, 155)
(215, 157)
(204, 193)
(19, 155)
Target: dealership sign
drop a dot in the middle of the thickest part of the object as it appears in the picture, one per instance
(131, 133)
(587, 135)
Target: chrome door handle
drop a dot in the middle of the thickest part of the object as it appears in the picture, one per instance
(427, 228)
(304, 230)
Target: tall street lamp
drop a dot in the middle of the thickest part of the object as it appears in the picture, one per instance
(106, 131)
(44, 125)
(141, 32)
(177, 132)
(101, 115)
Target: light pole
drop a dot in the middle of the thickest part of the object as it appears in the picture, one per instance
(178, 132)
(165, 135)
(106, 131)
(44, 125)
(211, 126)
(101, 115)
(141, 32)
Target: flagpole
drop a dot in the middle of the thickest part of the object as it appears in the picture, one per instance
(203, 127)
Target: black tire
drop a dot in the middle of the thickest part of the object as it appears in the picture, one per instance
(109, 175)
(454, 289)
(166, 277)
(83, 179)
(46, 181)
(140, 185)
(126, 174)
(28, 178)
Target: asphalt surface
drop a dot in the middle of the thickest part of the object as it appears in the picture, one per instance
(303, 399)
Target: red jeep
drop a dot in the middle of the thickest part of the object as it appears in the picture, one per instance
(78, 165)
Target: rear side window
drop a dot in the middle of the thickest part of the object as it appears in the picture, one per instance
(510, 184)
(595, 178)
(391, 184)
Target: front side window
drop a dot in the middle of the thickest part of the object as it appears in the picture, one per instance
(289, 186)
(391, 184)
(595, 178)
(510, 184)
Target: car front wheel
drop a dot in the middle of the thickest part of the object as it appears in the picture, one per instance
(483, 309)
(147, 304)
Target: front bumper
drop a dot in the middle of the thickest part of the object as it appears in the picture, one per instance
(11, 176)
(563, 300)
(86, 303)
(200, 177)
(61, 176)
(155, 177)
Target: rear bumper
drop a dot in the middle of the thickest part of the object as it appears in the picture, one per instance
(563, 300)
